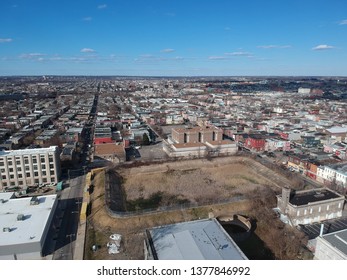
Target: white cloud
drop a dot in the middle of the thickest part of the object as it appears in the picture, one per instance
(239, 54)
(167, 50)
(103, 6)
(343, 22)
(5, 40)
(218, 58)
(322, 47)
(31, 55)
(275, 47)
(87, 50)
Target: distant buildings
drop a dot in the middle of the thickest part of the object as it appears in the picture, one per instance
(198, 141)
(29, 167)
(196, 240)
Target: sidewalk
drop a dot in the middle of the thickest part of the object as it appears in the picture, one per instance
(79, 242)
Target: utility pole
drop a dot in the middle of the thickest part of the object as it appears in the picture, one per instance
(70, 237)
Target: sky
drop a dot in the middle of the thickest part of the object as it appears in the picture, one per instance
(173, 37)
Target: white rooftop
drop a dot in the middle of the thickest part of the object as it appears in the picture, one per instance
(196, 240)
(31, 228)
(337, 129)
(28, 151)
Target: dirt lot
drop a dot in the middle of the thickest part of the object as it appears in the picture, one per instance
(195, 180)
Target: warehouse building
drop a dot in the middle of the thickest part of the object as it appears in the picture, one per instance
(196, 240)
(24, 225)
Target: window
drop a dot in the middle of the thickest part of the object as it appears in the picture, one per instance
(327, 207)
(11, 176)
(34, 160)
(36, 174)
(4, 184)
(319, 209)
(26, 161)
(3, 177)
(18, 162)
(19, 169)
(20, 182)
(10, 169)
(43, 160)
(44, 180)
(1, 163)
(298, 213)
(20, 175)
(51, 166)
(310, 210)
(43, 166)
(2, 170)
(44, 173)
(27, 174)
(35, 167)
(27, 168)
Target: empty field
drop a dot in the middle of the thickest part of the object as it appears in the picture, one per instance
(196, 181)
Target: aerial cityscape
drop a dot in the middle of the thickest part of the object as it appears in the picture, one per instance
(173, 131)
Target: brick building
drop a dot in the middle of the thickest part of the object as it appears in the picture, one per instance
(310, 206)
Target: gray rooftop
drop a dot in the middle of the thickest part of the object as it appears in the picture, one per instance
(196, 240)
(338, 240)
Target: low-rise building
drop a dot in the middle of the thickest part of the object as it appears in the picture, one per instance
(196, 240)
(24, 225)
(112, 152)
(310, 206)
(332, 246)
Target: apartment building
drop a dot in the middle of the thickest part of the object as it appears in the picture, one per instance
(196, 135)
(28, 167)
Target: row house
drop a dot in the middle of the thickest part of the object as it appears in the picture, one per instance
(298, 162)
(339, 149)
(333, 174)
(277, 145)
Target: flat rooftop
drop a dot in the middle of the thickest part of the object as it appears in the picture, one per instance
(196, 240)
(28, 151)
(338, 240)
(35, 218)
(333, 225)
(305, 197)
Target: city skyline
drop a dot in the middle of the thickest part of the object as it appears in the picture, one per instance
(162, 38)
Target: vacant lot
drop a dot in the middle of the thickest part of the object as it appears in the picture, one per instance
(193, 181)
(200, 181)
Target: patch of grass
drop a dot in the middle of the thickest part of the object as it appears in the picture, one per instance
(199, 213)
(249, 179)
(93, 237)
(142, 203)
(158, 199)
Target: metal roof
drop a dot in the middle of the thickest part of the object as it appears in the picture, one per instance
(196, 240)
(338, 240)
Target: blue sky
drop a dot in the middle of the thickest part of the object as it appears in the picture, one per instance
(173, 37)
